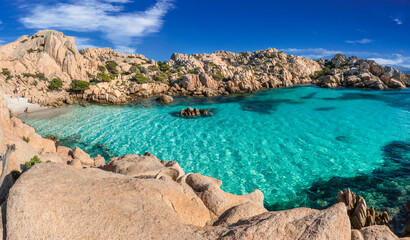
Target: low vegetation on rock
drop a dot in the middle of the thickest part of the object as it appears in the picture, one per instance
(79, 86)
(56, 84)
(32, 162)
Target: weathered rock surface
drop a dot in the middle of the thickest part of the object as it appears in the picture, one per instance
(374, 233)
(135, 165)
(115, 206)
(360, 215)
(194, 112)
(84, 158)
(166, 99)
(95, 204)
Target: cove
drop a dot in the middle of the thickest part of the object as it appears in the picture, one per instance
(299, 146)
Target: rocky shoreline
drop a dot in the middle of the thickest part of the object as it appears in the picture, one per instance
(64, 193)
(49, 70)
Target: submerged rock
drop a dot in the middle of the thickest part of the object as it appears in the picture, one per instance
(194, 112)
(166, 99)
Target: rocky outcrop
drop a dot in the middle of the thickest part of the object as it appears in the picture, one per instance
(374, 233)
(344, 71)
(117, 78)
(110, 205)
(166, 99)
(360, 215)
(28, 145)
(194, 112)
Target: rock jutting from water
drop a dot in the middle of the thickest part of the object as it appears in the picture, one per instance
(360, 215)
(62, 74)
(194, 112)
(165, 99)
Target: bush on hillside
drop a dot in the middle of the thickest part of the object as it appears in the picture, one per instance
(103, 77)
(79, 86)
(101, 68)
(111, 67)
(56, 84)
(141, 78)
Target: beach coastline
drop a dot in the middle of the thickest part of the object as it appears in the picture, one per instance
(17, 105)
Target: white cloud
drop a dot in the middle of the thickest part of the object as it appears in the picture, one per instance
(313, 53)
(1, 22)
(117, 1)
(316, 53)
(395, 60)
(396, 20)
(83, 43)
(362, 41)
(105, 16)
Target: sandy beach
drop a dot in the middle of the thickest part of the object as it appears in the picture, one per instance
(17, 105)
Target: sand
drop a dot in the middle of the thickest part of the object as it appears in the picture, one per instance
(18, 105)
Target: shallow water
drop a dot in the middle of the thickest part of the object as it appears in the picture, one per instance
(300, 146)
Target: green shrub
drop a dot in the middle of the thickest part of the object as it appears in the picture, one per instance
(41, 76)
(218, 75)
(55, 84)
(90, 75)
(111, 67)
(211, 64)
(153, 68)
(278, 65)
(15, 174)
(31, 50)
(32, 162)
(163, 67)
(103, 77)
(6, 72)
(143, 70)
(134, 68)
(356, 72)
(26, 139)
(79, 86)
(191, 70)
(141, 78)
(131, 57)
(160, 77)
(325, 71)
(25, 40)
(28, 75)
(35, 82)
(101, 68)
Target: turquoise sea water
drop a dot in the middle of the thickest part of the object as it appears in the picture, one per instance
(300, 146)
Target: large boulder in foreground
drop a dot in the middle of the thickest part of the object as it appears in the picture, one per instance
(56, 201)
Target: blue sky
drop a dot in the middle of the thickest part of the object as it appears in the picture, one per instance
(157, 28)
